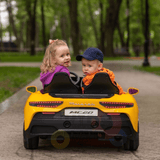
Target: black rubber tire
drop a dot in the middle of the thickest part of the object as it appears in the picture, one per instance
(31, 143)
(132, 144)
(127, 145)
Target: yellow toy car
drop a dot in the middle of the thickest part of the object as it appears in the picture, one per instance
(61, 112)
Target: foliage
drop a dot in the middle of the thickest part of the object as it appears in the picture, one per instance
(154, 70)
(58, 25)
(13, 79)
(85, 21)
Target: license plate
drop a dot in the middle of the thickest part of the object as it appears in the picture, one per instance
(81, 112)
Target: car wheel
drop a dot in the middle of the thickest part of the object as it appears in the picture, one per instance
(30, 143)
(127, 144)
(132, 144)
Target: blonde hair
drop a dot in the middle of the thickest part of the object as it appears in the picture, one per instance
(49, 62)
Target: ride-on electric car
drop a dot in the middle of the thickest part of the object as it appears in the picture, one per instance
(60, 112)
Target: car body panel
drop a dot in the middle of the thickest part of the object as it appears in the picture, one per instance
(131, 112)
(60, 109)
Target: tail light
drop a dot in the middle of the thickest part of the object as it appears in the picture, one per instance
(48, 112)
(113, 114)
(46, 104)
(116, 105)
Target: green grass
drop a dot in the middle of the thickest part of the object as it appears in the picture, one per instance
(19, 57)
(13, 79)
(154, 70)
(25, 57)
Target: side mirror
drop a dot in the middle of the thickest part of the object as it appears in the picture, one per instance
(133, 91)
(31, 89)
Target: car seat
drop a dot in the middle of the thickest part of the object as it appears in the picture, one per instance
(101, 84)
(61, 84)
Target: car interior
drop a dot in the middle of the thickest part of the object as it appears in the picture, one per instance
(63, 85)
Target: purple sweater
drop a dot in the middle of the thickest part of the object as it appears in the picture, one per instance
(46, 78)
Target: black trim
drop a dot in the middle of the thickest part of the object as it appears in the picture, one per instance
(82, 95)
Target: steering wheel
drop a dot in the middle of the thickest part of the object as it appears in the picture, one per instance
(76, 76)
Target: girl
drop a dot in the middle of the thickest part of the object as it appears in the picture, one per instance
(56, 59)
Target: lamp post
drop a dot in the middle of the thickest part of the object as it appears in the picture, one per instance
(146, 44)
(128, 19)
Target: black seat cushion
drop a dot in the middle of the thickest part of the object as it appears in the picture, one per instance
(101, 84)
(61, 83)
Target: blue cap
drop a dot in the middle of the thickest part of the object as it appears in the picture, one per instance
(91, 54)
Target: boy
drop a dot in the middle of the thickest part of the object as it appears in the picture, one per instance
(92, 63)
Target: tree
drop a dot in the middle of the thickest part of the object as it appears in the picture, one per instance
(12, 21)
(120, 34)
(43, 24)
(83, 23)
(112, 12)
(31, 10)
(102, 28)
(1, 31)
(128, 29)
(93, 22)
(75, 34)
(64, 27)
(64, 19)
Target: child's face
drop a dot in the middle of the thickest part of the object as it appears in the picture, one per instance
(89, 67)
(62, 56)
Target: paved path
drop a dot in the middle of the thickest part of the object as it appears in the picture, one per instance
(152, 61)
(19, 64)
(11, 122)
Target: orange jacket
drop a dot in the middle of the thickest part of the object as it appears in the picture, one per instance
(88, 79)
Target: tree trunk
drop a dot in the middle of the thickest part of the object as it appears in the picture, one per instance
(111, 21)
(93, 22)
(22, 24)
(142, 16)
(28, 36)
(43, 25)
(12, 22)
(73, 12)
(33, 29)
(128, 30)
(64, 27)
(32, 20)
(1, 33)
(102, 32)
(37, 36)
(109, 39)
(120, 34)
